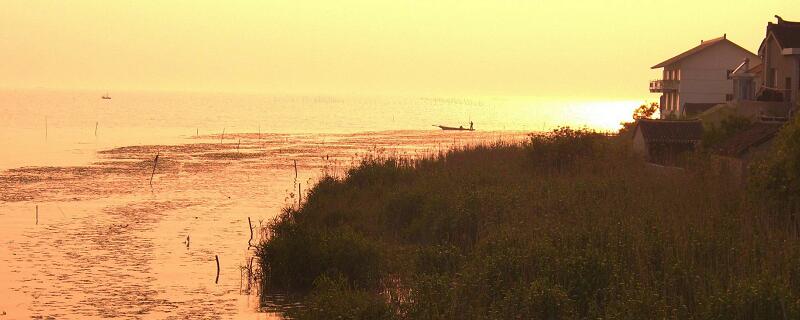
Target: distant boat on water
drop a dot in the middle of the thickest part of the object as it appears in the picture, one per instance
(459, 128)
(106, 97)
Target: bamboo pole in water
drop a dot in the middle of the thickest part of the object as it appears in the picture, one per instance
(295, 169)
(217, 258)
(37, 214)
(155, 162)
(250, 224)
(222, 136)
(97, 123)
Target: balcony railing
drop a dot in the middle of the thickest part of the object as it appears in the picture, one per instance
(664, 85)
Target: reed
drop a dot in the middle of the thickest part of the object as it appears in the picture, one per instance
(571, 225)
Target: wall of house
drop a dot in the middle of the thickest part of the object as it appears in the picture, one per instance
(778, 67)
(639, 145)
(704, 75)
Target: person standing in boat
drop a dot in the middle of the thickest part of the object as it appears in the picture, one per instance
(470, 125)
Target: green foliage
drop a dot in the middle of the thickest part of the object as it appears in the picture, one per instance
(296, 256)
(727, 128)
(776, 178)
(571, 225)
(334, 298)
(562, 146)
(645, 111)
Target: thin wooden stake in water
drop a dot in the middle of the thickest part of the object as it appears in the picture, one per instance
(155, 163)
(295, 169)
(222, 136)
(95, 127)
(299, 196)
(37, 214)
(250, 242)
(217, 257)
(187, 241)
(259, 131)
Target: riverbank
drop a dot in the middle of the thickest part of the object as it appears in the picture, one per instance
(570, 225)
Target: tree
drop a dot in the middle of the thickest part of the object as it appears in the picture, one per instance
(645, 111)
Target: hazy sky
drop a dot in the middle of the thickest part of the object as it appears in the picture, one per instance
(586, 49)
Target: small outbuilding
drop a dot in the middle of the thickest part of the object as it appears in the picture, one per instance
(663, 141)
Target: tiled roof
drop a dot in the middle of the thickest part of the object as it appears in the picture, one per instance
(741, 142)
(670, 130)
(704, 45)
(786, 32)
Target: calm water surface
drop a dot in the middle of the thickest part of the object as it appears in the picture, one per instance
(109, 243)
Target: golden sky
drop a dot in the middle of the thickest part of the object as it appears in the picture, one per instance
(586, 49)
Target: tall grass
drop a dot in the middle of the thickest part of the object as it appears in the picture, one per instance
(568, 225)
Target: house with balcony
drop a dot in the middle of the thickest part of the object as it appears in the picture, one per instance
(699, 77)
(780, 53)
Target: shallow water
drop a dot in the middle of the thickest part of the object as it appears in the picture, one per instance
(110, 242)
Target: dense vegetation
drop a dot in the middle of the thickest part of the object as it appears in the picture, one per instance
(570, 225)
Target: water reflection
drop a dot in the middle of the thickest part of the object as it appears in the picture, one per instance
(108, 244)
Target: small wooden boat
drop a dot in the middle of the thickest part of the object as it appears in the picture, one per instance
(455, 128)
(106, 97)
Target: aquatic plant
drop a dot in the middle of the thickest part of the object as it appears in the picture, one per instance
(568, 225)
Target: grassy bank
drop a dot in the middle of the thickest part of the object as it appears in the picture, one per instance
(570, 225)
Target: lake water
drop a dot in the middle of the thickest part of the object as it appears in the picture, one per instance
(89, 229)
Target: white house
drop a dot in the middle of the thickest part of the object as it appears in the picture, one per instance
(780, 52)
(699, 77)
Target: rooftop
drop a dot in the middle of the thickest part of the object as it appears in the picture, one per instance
(743, 141)
(703, 45)
(670, 130)
(787, 33)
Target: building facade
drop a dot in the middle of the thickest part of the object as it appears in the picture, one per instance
(701, 75)
(780, 53)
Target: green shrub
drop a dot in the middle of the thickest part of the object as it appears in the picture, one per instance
(295, 258)
(334, 298)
